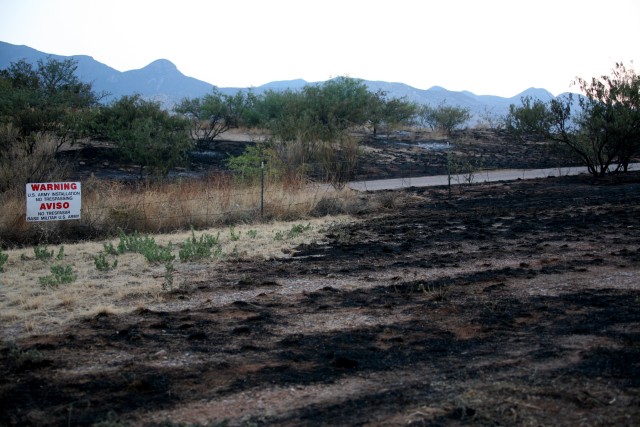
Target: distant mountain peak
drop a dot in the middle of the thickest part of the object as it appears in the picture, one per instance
(284, 84)
(161, 65)
(536, 92)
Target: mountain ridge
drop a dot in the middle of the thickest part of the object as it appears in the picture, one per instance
(162, 81)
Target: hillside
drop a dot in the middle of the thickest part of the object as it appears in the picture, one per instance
(161, 80)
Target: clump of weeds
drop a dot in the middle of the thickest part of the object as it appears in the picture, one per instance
(3, 259)
(60, 274)
(102, 262)
(146, 246)
(199, 248)
(294, 232)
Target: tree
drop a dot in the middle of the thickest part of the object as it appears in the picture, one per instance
(399, 111)
(529, 120)
(309, 128)
(602, 129)
(317, 112)
(335, 106)
(611, 113)
(145, 135)
(444, 117)
(48, 99)
(41, 108)
(214, 114)
(390, 112)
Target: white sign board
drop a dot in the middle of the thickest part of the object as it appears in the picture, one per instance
(53, 201)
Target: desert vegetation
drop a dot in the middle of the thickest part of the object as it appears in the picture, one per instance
(48, 285)
(268, 292)
(300, 140)
(601, 126)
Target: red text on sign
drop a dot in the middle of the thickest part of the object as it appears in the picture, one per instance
(54, 205)
(54, 186)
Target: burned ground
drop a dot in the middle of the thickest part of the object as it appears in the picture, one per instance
(505, 304)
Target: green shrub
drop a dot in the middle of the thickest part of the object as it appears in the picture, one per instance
(193, 248)
(102, 263)
(146, 246)
(233, 236)
(60, 274)
(294, 232)
(3, 259)
(109, 249)
(42, 253)
(298, 229)
(133, 243)
(156, 254)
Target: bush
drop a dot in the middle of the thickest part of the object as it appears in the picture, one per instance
(60, 274)
(42, 253)
(603, 129)
(145, 135)
(444, 117)
(3, 259)
(102, 263)
(146, 246)
(294, 232)
(193, 249)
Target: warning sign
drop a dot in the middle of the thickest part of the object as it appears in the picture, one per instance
(53, 201)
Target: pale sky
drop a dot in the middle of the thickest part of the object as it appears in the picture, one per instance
(489, 47)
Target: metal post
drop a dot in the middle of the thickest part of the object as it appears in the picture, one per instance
(262, 190)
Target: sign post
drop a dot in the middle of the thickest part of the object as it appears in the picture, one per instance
(53, 201)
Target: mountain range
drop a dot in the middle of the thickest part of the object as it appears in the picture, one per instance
(162, 81)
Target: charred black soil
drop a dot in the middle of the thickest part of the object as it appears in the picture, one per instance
(505, 304)
(399, 155)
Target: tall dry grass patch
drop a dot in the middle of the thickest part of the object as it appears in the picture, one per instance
(152, 207)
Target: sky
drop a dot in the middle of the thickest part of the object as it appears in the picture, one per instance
(488, 47)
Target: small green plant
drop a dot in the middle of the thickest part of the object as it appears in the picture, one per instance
(146, 246)
(109, 249)
(462, 170)
(294, 232)
(42, 253)
(298, 229)
(233, 236)
(60, 255)
(167, 285)
(102, 263)
(133, 243)
(156, 254)
(252, 234)
(3, 259)
(60, 274)
(193, 248)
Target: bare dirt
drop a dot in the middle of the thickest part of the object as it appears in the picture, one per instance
(503, 304)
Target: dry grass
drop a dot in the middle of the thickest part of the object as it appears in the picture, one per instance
(27, 307)
(148, 207)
